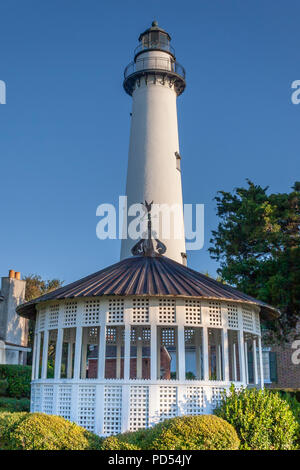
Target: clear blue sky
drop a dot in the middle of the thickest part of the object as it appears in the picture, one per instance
(64, 131)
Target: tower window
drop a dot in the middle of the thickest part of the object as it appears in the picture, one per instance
(178, 159)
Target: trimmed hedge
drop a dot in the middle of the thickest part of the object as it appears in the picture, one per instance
(262, 419)
(203, 432)
(3, 387)
(18, 379)
(13, 404)
(37, 431)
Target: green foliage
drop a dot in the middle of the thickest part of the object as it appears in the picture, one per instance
(3, 387)
(13, 404)
(257, 243)
(262, 419)
(114, 443)
(36, 286)
(18, 378)
(203, 432)
(37, 431)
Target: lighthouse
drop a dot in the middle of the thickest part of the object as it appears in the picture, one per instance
(154, 80)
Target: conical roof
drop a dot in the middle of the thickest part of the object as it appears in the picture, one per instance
(147, 276)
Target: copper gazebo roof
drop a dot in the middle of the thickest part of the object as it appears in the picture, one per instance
(147, 276)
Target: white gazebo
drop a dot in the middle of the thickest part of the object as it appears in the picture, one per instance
(147, 338)
(141, 341)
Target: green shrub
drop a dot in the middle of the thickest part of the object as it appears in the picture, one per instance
(114, 443)
(18, 378)
(3, 387)
(13, 404)
(37, 431)
(203, 432)
(262, 419)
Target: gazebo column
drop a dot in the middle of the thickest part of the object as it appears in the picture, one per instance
(205, 354)
(34, 357)
(77, 359)
(153, 349)
(45, 354)
(58, 353)
(83, 354)
(158, 346)
(242, 357)
(234, 366)
(246, 361)
(225, 353)
(198, 353)
(37, 355)
(255, 373)
(118, 358)
(139, 352)
(260, 363)
(180, 355)
(70, 359)
(126, 352)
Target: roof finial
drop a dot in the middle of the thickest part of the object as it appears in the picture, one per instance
(145, 245)
(154, 23)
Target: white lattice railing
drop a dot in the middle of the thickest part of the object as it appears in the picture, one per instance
(108, 409)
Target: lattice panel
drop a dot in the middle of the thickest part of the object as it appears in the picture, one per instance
(168, 402)
(86, 407)
(64, 401)
(92, 335)
(233, 316)
(247, 318)
(193, 312)
(168, 336)
(216, 396)
(112, 410)
(189, 335)
(42, 318)
(166, 311)
(36, 398)
(116, 311)
(53, 316)
(139, 408)
(91, 314)
(140, 310)
(48, 399)
(257, 323)
(70, 314)
(111, 335)
(214, 314)
(143, 333)
(194, 400)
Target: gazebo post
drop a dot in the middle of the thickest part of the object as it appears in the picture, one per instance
(255, 361)
(234, 362)
(126, 351)
(242, 357)
(261, 364)
(225, 353)
(205, 354)
(45, 354)
(58, 353)
(77, 359)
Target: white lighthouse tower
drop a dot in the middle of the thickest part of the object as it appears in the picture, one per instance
(154, 80)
